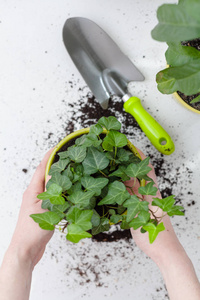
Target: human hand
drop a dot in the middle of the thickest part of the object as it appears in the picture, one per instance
(166, 241)
(29, 240)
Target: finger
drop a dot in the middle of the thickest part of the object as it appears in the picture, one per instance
(38, 180)
(132, 186)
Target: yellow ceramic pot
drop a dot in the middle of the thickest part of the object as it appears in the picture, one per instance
(176, 95)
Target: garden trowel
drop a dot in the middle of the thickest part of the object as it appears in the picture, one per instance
(107, 71)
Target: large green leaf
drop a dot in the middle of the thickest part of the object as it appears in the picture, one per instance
(59, 166)
(148, 189)
(81, 218)
(94, 184)
(177, 23)
(81, 199)
(141, 220)
(184, 78)
(76, 233)
(77, 154)
(110, 123)
(46, 220)
(116, 139)
(139, 170)
(178, 55)
(153, 230)
(53, 193)
(94, 161)
(60, 180)
(117, 193)
(134, 206)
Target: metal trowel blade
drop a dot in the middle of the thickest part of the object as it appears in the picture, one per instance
(98, 59)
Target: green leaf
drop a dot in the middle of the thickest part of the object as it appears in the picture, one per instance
(176, 210)
(60, 180)
(141, 220)
(120, 172)
(61, 209)
(116, 139)
(81, 218)
(115, 219)
(46, 220)
(193, 8)
(196, 99)
(95, 219)
(139, 170)
(106, 145)
(94, 184)
(77, 154)
(76, 233)
(165, 204)
(176, 23)
(110, 123)
(123, 155)
(153, 230)
(134, 206)
(53, 193)
(94, 161)
(96, 129)
(178, 55)
(117, 193)
(81, 199)
(59, 166)
(103, 226)
(46, 204)
(184, 78)
(63, 154)
(75, 188)
(124, 225)
(148, 189)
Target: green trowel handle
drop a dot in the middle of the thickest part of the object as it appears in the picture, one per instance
(155, 133)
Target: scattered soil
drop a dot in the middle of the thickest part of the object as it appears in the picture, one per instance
(196, 44)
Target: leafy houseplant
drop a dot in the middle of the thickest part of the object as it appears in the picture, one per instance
(86, 192)
(179, 26)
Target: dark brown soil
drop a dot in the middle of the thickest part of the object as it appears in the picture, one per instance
(196, 44)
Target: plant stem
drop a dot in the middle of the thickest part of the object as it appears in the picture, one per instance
(103, 173)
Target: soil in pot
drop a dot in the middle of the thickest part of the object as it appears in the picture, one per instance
(187, 99)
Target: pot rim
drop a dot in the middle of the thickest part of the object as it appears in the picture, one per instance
(74, 135)
(185, 104)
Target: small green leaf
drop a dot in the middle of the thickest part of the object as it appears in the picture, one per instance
(139, 170)
(94, 184)
(63, 154)
(141, 220)
(116, 139)
(77, 154)
(81, 218)
(115, 218)
(59, 166)
(106, 145)
(176, 210)
(76, 233)
(196, 99)
(103, 226)
(61, 209)
(124, 225)
(96, 129)
(153, 230)
(60, 180)
(123, 155)
(117, 193)
(53, 194)
(110, 123)
(95, 219)
(46, 220)
(94, 161)
(148, 189)
(81, 199)
(134, 206)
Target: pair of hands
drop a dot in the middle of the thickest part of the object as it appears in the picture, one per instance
(30, 240)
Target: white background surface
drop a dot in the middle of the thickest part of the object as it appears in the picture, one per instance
(35, 71)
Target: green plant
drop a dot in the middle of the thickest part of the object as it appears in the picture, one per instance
(86, 192)
(179, 23)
